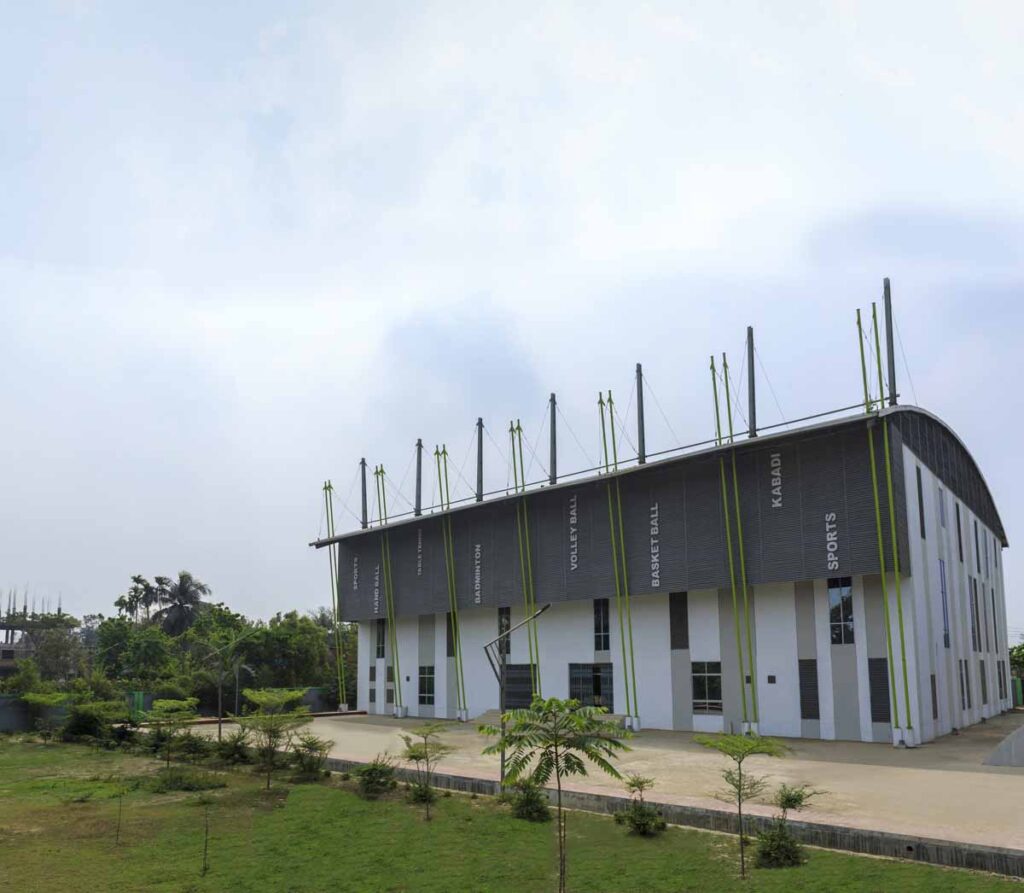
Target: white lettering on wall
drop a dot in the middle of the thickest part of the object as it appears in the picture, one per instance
(655, 547)
(419, 551)
(831, 541)
(376, 589)
(574, 555)
(776, 479)
(355, 573)
(476, 573)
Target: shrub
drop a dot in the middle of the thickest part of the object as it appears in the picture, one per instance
(194, 747)
(422, 793)
(641, 817)
(377, 778)
(777, 847)
(234, 747)
(530, 802)
(94, 719)
(178, 778)
(310, 755)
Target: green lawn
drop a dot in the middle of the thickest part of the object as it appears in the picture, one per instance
(58, 813)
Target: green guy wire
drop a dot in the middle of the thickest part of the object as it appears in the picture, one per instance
(389, 592)
(728, 544)
(532, 626)
(892, 524)
(615, 562)
(622, 556)
(522, 558)
(739, 538)
(335, 605)
(449, 563)
(878, 522)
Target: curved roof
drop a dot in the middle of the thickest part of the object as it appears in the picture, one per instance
(945, 453)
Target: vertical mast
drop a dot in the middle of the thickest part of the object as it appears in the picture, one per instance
(418, 508)
(553, 477)
(890, 353)
(479, 460)
(751, 391)
(363, 521)
(641, 451)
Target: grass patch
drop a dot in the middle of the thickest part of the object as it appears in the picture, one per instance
(325, 837)
(179, 778)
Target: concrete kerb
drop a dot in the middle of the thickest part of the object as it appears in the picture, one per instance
(950, 854)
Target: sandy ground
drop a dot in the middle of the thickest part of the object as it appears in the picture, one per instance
(940, 790)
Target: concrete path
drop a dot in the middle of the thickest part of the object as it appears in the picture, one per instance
(941, 790)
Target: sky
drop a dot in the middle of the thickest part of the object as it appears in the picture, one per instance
(243, 245)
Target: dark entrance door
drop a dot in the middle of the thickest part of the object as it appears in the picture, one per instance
(518, 686)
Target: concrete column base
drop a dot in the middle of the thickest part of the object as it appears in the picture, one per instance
(462, 715)
(632, 723)
(401, 712)
(750, 728)
(343, 708)
(905, 738)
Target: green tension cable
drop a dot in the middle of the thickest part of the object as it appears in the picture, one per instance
(532, 625)
(728, 544)
(335, 591)
(622, 556)
(455, 593)
(892, 525)
(522, 558)
(878, 522)
(615, 562)
(389, 593)
(739, 542)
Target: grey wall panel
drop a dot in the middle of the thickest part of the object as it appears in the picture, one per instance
(806, 636)
(732, 704)
(845, 696)
(788, 490)
(682, 690)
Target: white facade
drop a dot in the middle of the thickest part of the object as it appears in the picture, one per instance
(792, 643)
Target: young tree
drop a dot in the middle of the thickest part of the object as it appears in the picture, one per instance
(425, 749)
(172, 717)
(277, 717)
(642, 818)
(739, 787)
(556, 738)
(43, 706)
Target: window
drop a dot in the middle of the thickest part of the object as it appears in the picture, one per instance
(942, 507)
(995, 625)
(935, 698)
(963, 686)
(427, 686)
(981, 601)
(945, 603)
(678, 621)
(591, 684)
(809, 707)
(707, 686)
(840, 608)
(878, 689)
(391, 675)
(986, 556)
(504, 625)
(390, 697)
(975, 632)
(373, 673)
(602, 635)
(967, 681)
(920, 501)
(959, 535)
(1001, 677)
(373, 696)
(381, 629)
(977, 548)
(984, 682)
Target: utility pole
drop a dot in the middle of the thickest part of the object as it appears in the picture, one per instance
(751, 395)
(641, 451)
(554, 447)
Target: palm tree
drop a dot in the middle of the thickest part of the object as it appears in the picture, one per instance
(182, 602)
(554, 737)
